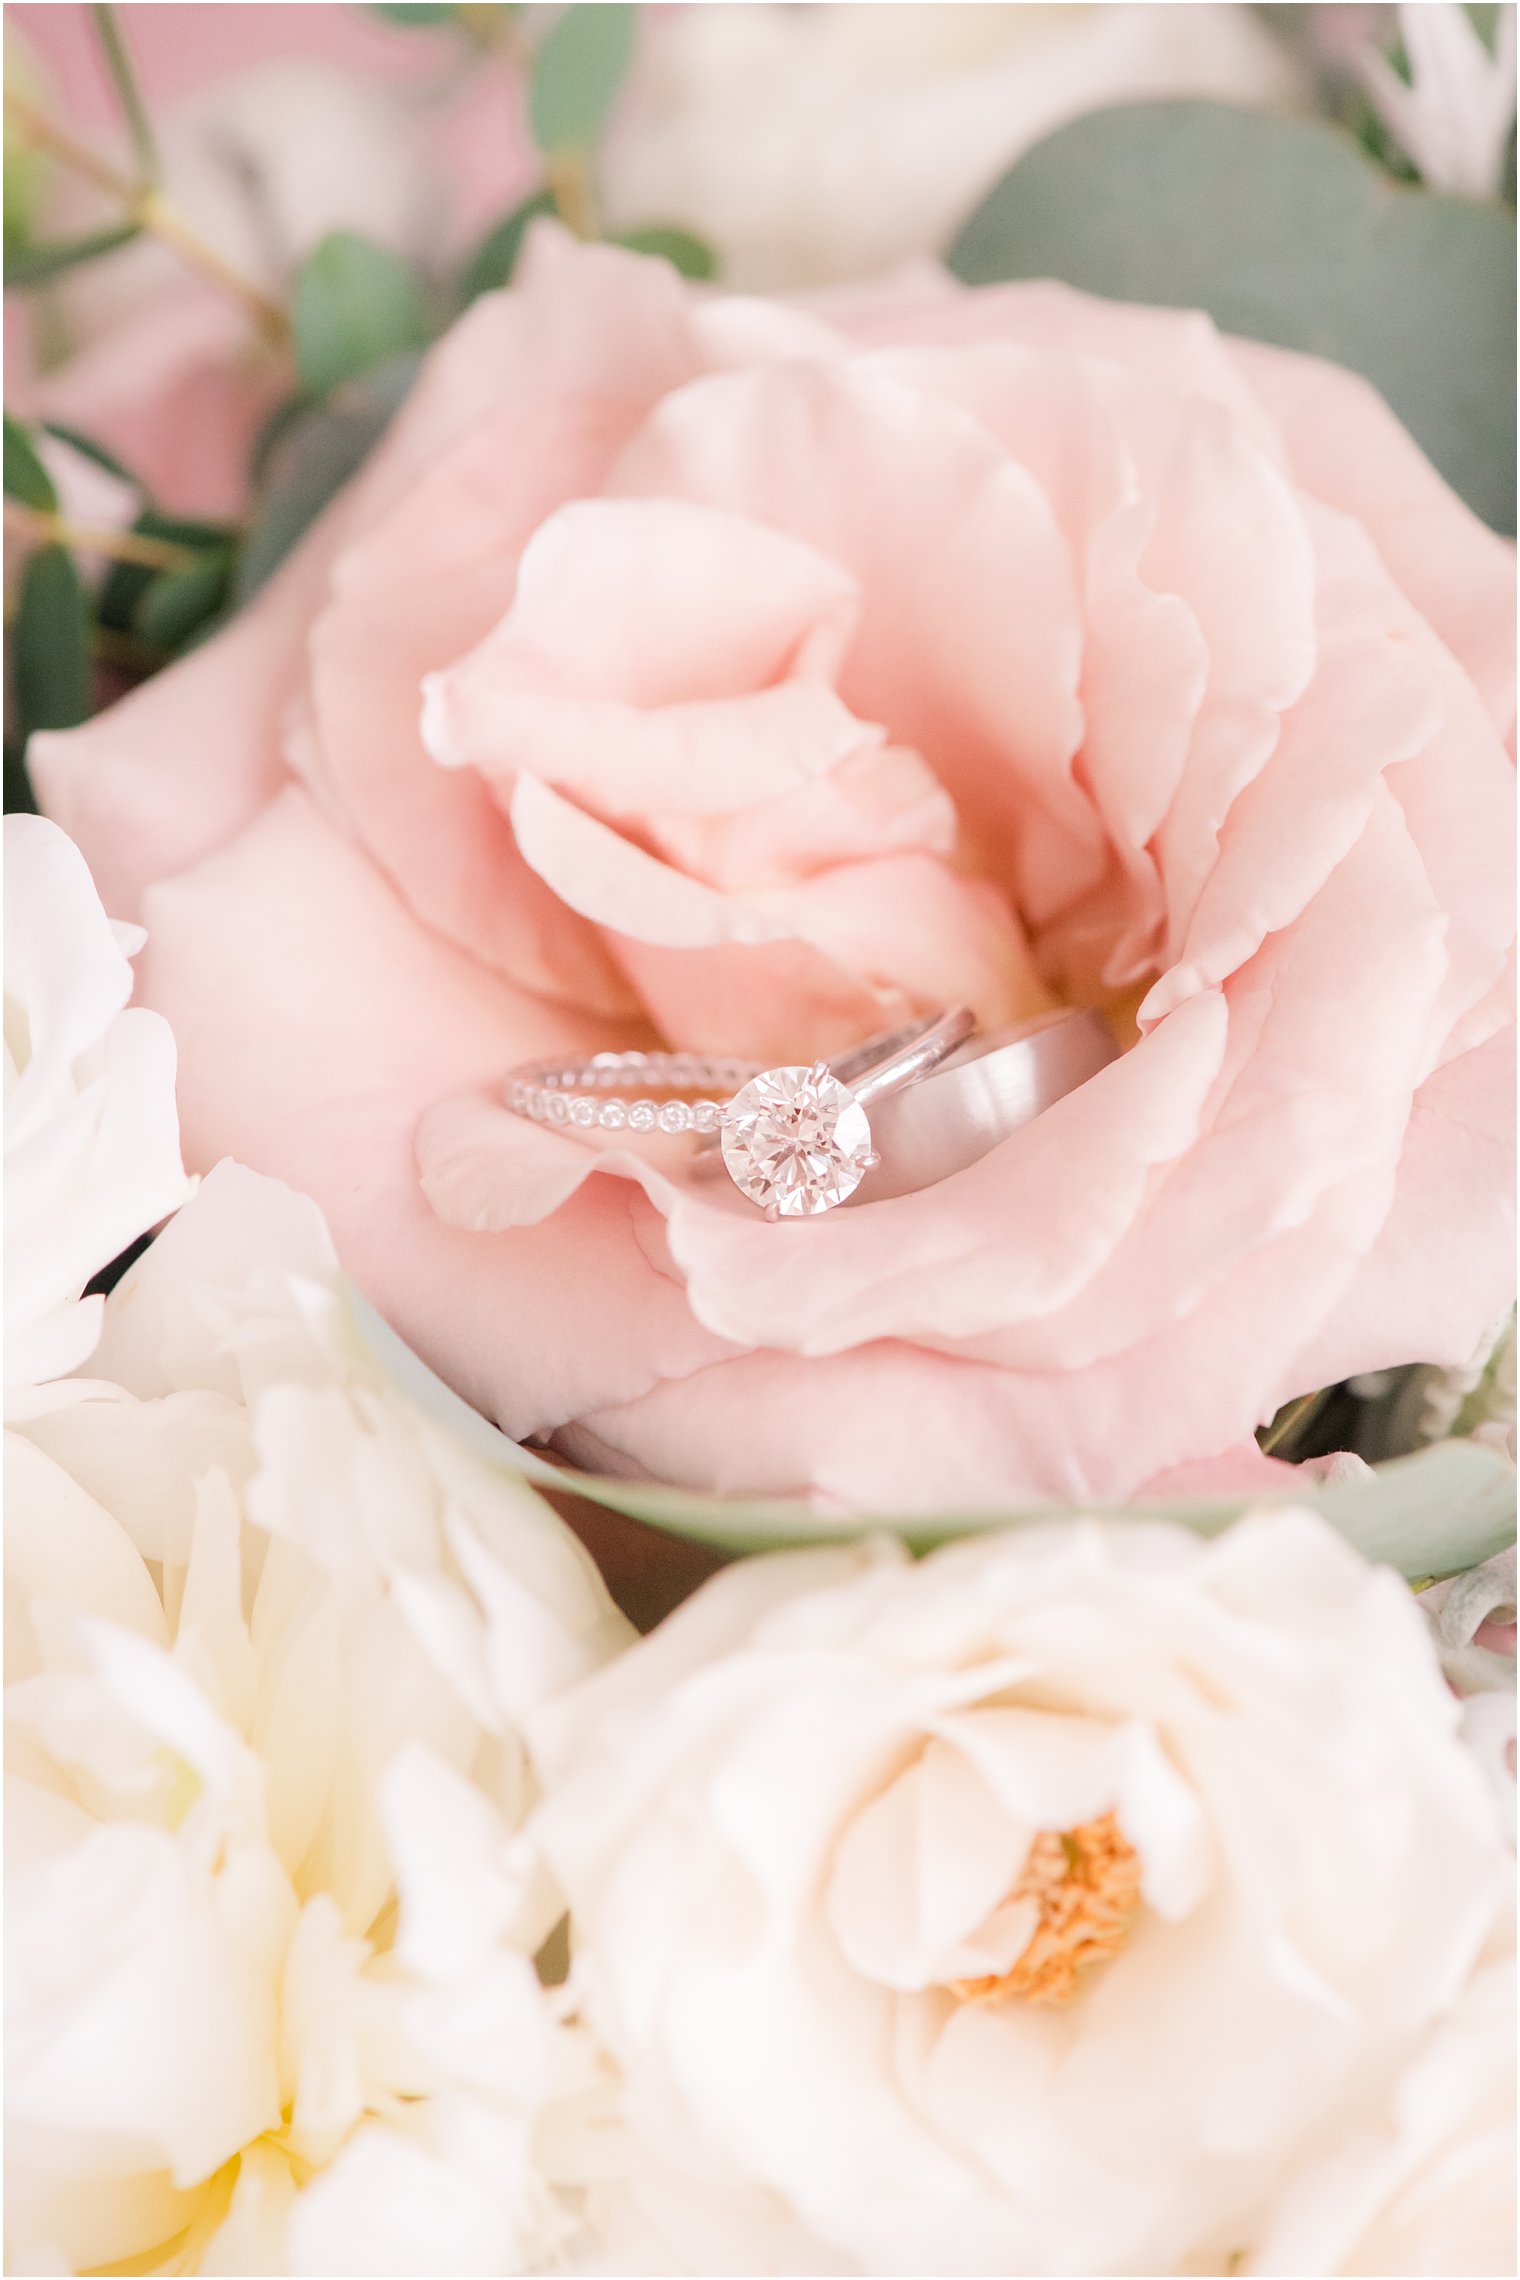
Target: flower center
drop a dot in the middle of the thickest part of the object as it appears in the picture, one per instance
(1086, 1884)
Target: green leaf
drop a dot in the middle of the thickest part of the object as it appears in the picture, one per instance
(117, 59)
(354, 306)
(311, 462)
(88, 448)
(26, 478)
(50, 644)
(28, 170)
(271, 435)
(491, 265)
(35, 264)
(577, 70)
(692, 256)
(126, 583)
(415, 15)
(20, 799)
(1432, 1514)
(177, 603)
(1284, 232)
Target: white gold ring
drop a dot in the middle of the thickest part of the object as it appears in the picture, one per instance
(982, 1093)
(795, 1140)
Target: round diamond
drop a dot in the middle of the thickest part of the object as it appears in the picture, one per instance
(796, 1141)
(643, 1116)
(675, 1116)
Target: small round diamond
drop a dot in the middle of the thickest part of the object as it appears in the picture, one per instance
(643, 1116)
(583, 1112)
(613, 1115)
(558, 1109)
(675, 1116)
(706, 1116)
(796, 1141)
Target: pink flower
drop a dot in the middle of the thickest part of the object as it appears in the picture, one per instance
(695, 668)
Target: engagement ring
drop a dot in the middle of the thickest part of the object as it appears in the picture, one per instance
(796, 1140)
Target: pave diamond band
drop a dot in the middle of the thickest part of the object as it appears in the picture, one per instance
(794, 1140)
(593, 1095)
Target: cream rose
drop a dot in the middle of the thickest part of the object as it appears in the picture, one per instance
(91, 1139)
(269, 1636)
(687, 668)
(1042, 1907)
(828, 142)
(1428, 2184)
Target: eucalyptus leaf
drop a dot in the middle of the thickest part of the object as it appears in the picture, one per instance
(177, 603)
(577, 70)
(491, 265)
(285, 417)
(20, 799)
(26, 478)
(126, 583)
(1284, 231)
(1433, 1514)
(28, 169)
(355, 305)
(50, 644)
(415, 15)
(692, 256)
(34, 264)
(311, 461)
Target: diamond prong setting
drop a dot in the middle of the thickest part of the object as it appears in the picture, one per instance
(796, 1141)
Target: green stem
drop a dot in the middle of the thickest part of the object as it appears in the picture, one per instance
(152, 211)
(568, 175)
(93, 538)
(128, 92)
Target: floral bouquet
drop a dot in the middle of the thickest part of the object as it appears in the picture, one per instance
(760, 1366)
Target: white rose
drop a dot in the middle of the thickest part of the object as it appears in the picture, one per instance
(1034, 1908)
(91, 1137)
(269, 1634)
(827, 142)
(1429, 2187)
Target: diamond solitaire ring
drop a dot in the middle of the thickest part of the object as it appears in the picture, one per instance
(796, 1141)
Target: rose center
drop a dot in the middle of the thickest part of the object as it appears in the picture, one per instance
(1086, 1884)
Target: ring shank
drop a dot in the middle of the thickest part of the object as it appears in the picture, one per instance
(981, 1094)
(889, 1064)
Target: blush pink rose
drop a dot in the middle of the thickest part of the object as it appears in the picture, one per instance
(694, 669)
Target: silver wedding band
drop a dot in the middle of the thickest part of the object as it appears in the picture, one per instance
(983, 1092)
